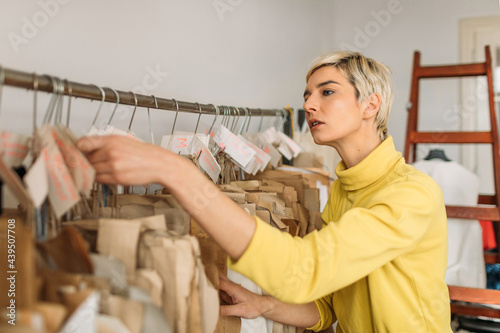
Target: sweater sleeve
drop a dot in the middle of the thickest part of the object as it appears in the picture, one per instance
(300, 270)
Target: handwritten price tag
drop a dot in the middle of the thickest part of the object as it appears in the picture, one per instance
(239, 151)
(14, 147)
(206, 160)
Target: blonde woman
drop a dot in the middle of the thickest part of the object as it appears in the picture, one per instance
(379, 262)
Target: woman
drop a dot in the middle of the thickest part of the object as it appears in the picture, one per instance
(379, 262)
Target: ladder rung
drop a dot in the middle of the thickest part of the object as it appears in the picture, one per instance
(474, 295)
(491, 258)
(451, 137)
(451, 70)
(487, 200)
(473, 213)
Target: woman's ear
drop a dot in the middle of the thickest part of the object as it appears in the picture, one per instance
(372, 106)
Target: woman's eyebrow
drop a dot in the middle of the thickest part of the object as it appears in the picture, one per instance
(307, 92)
(327, 82)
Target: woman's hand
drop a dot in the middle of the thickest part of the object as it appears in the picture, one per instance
(243, 303)
(125, 161)
(249, 305)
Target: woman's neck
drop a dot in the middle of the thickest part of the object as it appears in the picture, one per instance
(354, 151)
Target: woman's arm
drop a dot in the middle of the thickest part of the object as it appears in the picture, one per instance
(249, 305)
(124, 161)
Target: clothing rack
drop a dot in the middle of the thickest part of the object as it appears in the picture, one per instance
(33, 81)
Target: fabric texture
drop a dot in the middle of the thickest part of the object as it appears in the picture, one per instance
(465, 237)
(377, 265)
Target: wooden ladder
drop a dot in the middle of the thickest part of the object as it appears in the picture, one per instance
(488, 205)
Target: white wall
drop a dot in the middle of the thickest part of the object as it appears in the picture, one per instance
(233, 52)
(245, 53)
(430, 26)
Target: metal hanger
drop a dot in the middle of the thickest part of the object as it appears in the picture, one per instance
(216, 109)
(261, 118)
(70, 91)
(60, 102)
(53, 99)
(103, 95)
(2, 81)
(176, 114)
(133, 112)
(235, 118)
(116, 106)
(35, 91)
(199, 116)
(244, 121)
(149, 120)
(249, 118)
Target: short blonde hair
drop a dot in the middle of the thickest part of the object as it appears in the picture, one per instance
(366, 76)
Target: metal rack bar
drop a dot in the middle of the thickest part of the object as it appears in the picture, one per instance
(25, 80)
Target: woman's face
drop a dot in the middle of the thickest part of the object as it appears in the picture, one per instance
(332, 110)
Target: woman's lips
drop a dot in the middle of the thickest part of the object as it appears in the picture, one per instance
(315, 124)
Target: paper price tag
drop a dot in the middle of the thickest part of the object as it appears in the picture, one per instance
(81, 170)
(181, 143)
(14, 147)
(263, 158)
(294, 146)
(63, 193)
(239, 151)
(206, 160)
(37, 182)
(269, 149)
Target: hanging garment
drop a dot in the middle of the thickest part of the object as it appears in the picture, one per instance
(465, 243)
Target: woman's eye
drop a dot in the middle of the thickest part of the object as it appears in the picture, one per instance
(327, 92)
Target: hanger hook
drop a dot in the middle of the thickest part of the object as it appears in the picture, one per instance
(236, 117)
(116, 106)
(261, 118)
(70, 92)
(199, 116)
(176, 113)
(60, 101)
(2, 81)
(149, 120)
(133, 112)
(52, 103)
(216, 109)
(103, 95)
(249, 118)
(35, 91)
(244, 120)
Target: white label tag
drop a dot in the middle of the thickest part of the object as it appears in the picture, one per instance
(294, 146)
(285, 151)
(269, 149)
(206, 160)
(239, 151)
(181, 143)
(14, 147)
(263, 158)
(37, 182)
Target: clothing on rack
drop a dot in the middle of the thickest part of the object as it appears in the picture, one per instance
(460, 187)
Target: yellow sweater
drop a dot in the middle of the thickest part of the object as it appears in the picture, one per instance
(378, 263)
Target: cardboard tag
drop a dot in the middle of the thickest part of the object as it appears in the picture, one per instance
(239, 151)
(110, 130)
(81, 170)
(206, 160)
(63, 193)
(269, 149)
(285, 150)
(181, 144)
(263, 157)
(292, 145)
(37, 182)
(14, 147)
